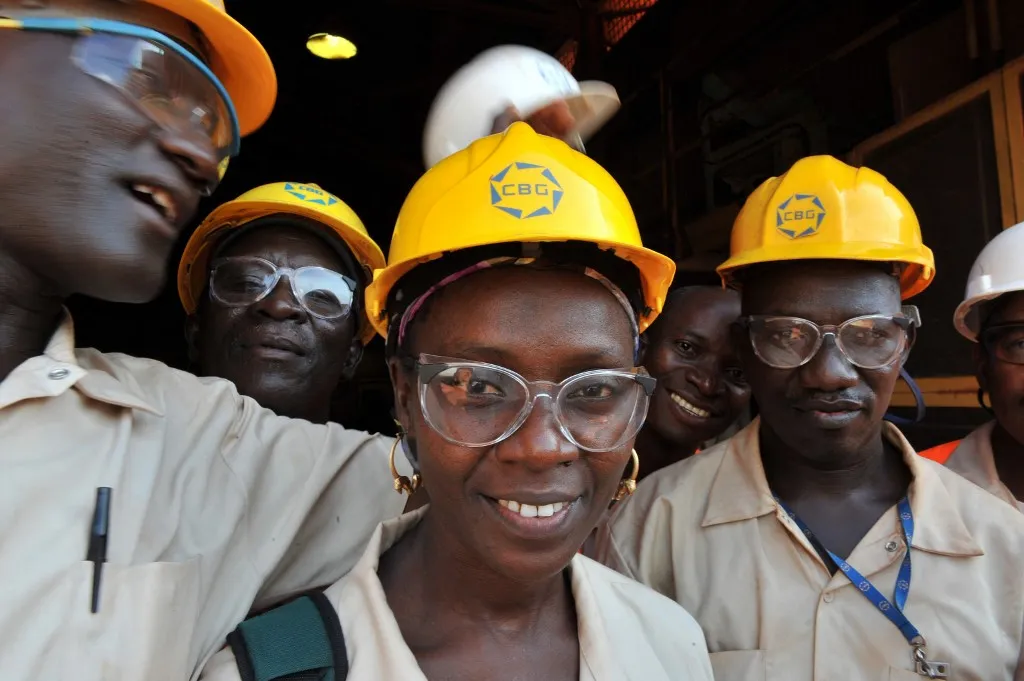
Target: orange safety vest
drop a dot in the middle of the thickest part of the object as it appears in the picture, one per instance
(941, 453)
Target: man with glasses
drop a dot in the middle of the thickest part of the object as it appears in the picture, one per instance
(273, 284)
(792, 543)
(992, 317)
(143, 510)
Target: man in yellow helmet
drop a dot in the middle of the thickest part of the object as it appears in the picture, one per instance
(792, 543)
(144, 510)
(273, 284)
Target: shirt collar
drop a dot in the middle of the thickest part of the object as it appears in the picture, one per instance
(61, 347)
(740, 491)
(594, 637)
(60, 369)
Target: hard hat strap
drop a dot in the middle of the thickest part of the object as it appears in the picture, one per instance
(410, 312)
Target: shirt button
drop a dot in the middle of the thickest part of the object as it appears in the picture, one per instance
(827, 597)
(891, 546)
(58, 374)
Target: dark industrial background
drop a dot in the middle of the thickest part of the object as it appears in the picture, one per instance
(717, 96)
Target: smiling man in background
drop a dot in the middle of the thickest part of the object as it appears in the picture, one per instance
(702, 390)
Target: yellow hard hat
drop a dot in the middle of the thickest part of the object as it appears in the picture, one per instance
(291, 198)
(516, 187)
(823, 209)
(236, 57)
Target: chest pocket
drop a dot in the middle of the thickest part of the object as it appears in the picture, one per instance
(739, 665)
(144, 626)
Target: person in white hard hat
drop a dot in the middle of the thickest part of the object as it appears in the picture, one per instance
(992, 316)
(510, 83)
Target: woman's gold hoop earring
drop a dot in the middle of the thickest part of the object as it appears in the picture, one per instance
(628, 485)
(403, 485)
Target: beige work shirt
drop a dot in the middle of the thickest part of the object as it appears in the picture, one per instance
(627, 632)
(973, 459)
(216, 502)
(708, 533)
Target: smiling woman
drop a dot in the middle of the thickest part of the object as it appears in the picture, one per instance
(513, 350)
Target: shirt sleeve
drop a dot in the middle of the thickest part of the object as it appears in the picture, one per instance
(1018, 674)
(349, 498)
(602, 547)
(271, 506)
(221, 667)
(636, 540)
(315, 495)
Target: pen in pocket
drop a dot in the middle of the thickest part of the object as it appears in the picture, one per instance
(97, 551)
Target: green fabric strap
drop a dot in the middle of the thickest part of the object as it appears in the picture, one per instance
(288, 640)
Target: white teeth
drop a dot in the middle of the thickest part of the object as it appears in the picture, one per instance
(162, 199)
(531, 511)
(696, 411)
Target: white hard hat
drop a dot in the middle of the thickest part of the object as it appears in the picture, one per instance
(999, 269)
(510, 75)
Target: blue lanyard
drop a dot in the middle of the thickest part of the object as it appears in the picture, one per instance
(893, 610)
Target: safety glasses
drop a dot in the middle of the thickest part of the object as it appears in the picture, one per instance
(475, 404)
(1005, 342)
(165, 81)
(868, 342)
(242, 281)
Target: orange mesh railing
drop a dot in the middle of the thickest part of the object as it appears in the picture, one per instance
(618, 16)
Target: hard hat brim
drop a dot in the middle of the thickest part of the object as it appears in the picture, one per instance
(916, 277)
(193, 269)
(591, 109)
(237, 58)
(656, 273)
(965, 318)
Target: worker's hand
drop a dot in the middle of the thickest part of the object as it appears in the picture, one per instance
(554, 120)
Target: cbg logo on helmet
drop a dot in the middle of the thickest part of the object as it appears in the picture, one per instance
(310, 193)
(800, 215)
(525, 190)
(452, 208)
(868, 219)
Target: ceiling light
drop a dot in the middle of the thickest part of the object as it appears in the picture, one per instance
(327, 46)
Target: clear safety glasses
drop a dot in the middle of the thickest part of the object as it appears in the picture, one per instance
(868, 342)
(167, 83)
(475, 404)
(242, 281)
(1005, 342)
